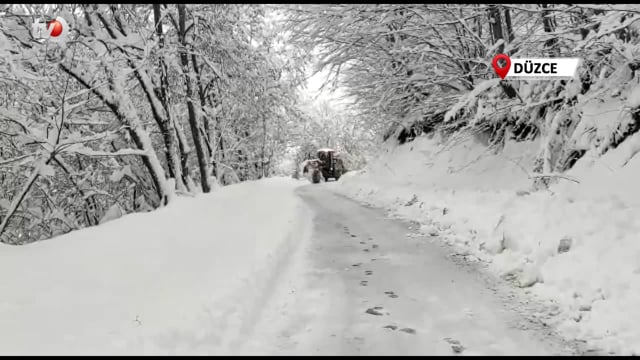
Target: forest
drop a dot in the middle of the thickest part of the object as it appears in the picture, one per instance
(143, 103)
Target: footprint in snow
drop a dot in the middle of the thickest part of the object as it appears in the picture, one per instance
(406, 330)
(368, 272)
(358, 264)
(374, 246)
(391, 294)
(374, 311)
(364, 282)
(455, 345)
(358, 339)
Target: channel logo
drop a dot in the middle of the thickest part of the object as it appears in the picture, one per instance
(55, 30)
(535, 68)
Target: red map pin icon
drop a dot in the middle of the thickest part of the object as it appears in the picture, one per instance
(501, 71)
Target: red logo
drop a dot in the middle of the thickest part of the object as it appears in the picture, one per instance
(55, 30)
(55, 27)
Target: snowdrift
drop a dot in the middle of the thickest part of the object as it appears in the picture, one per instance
(185, 279)
(575, 245)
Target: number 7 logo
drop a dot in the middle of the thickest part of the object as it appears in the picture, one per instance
(55, 30)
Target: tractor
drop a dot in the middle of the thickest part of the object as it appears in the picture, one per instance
(327, 165)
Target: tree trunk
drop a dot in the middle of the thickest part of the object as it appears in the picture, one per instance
(548, 25)
(495, 23)
(219, 154)
(201, 96)
(507, 22)
(264, 145)
(193, 121)
(143, 142)
(164, 120)
(18, 199)
(185, 150)
(120, 105)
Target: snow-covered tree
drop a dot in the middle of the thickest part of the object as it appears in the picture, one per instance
(420, 68)
(139, 103)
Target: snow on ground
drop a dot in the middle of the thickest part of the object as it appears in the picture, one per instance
(577, 243)
(185, 279)
(354, 289)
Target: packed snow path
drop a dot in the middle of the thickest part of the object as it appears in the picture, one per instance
(361, 286)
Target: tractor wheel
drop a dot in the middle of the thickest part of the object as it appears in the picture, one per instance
(337, 174)
(315, 177)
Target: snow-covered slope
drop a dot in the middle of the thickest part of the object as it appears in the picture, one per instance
(183, 279)
(575, 246)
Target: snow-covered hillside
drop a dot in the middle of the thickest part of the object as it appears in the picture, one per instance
(574, 245)
(182, 279)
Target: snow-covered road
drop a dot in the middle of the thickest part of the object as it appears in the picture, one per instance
(362, 285)
(265, 267)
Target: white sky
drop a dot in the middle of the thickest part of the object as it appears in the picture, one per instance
(328, 93)
(314, 82)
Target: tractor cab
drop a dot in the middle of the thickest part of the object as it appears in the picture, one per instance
(327, 165)
(330, 164)
(327, 158)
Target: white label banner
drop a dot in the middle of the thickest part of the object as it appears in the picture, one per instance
(542, 68)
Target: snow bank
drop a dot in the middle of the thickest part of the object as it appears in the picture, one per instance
(184, 279)
(575, 246)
